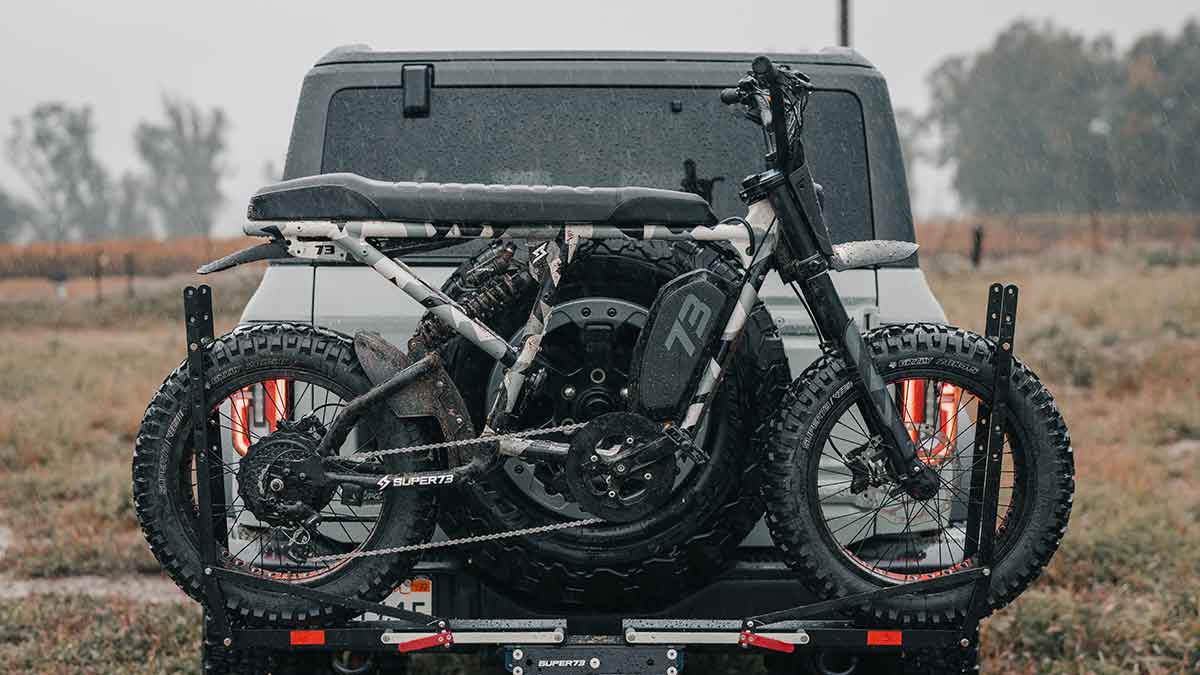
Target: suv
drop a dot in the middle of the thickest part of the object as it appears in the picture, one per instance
(591, 118)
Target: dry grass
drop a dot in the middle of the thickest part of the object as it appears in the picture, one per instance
(82, 258)
(74, 634)
(1116, 337)
(1034, 233)
(77, 378)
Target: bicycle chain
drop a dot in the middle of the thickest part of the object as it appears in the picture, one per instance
(474, 539)
(367, 456)
(460, 541)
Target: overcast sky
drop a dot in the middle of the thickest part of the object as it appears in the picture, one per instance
(249, 57)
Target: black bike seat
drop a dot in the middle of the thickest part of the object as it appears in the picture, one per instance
(347, 196)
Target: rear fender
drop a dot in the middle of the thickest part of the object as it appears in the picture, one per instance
(434, 396)
(272, 250)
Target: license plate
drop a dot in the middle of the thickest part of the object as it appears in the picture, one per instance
(415, 595)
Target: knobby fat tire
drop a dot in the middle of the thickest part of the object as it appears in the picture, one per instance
(167, 517)
(962, 355)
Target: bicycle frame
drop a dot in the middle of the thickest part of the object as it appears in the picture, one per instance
(552, 251)
(784, 195)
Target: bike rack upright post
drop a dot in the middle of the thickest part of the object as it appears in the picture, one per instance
(206, 441)
(1001, 324)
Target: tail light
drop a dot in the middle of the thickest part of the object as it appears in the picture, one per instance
(267, 400)
(935, 438)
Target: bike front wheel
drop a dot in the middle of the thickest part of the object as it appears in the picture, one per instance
(843, 523)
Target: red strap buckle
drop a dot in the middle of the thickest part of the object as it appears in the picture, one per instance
(749, 639)
(885, 638)
(443, 638)
(306, 637)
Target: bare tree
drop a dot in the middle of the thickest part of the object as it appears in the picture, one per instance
(131, 219)
(912, 130)
(183, 156)
(53, 149)
(14, 214)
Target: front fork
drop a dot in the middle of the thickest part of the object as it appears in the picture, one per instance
(877, 407)
(808, 266)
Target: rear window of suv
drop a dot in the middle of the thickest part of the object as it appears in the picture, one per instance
(598, 136)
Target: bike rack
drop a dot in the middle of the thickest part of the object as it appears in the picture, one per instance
(640, 649)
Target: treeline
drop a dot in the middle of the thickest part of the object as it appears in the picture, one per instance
(1046, 120)
(75, 196)
(1041, 121)
(59, 261)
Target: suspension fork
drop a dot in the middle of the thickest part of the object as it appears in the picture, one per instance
(809, 268)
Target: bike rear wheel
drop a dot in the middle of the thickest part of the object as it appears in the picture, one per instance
(844, 524)
(273, 390)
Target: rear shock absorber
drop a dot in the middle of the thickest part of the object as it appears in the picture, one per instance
(482, 290)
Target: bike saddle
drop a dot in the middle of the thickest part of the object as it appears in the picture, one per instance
(347, 196)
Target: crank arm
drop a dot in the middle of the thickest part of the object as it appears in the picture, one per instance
(659, 448)
(666, 445)
(534, 448)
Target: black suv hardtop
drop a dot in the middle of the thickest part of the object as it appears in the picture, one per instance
(601, 119)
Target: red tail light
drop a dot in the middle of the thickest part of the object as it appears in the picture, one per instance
(273, 406)
(935, 448)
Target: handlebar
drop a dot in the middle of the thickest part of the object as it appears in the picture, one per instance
(732, 95)
(765, 70)
(769, 93)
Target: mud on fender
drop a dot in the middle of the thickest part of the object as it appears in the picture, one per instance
(675, 346)
(432, 396)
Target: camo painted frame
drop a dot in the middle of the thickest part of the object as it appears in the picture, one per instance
(552, 250)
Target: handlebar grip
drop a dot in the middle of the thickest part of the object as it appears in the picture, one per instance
(732, 95)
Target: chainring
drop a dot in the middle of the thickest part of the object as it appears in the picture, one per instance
(610, 482)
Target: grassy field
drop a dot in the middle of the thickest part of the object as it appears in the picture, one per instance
(1117, 339)
(1116, 336)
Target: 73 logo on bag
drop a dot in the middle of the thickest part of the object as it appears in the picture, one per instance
(693, 318)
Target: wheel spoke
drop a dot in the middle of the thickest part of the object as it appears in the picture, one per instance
(925, 540)
(264, 547)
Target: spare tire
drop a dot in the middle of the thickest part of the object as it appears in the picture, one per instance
(607, 567)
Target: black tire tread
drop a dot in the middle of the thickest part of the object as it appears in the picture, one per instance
(802, 550)
(298, 341)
